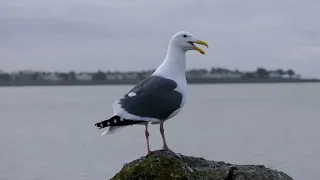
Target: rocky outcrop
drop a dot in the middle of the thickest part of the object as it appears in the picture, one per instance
(163, 165)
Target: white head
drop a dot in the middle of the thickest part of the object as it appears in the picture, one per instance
(186, 41)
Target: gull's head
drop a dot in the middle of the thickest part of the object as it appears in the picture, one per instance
(186, 41)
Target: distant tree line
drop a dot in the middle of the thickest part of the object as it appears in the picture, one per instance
(103, 76)
(5, 77)
(264, 73)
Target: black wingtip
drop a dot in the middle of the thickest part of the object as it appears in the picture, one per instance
(99, 125)
(116, 121)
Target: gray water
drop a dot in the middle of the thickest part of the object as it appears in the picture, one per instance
(48, 133)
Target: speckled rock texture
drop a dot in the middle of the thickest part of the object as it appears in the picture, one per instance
(164, 165)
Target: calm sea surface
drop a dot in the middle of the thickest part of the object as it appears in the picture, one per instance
(48, 133)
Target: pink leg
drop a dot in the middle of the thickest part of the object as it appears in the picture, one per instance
(147, 137)
(165, 146)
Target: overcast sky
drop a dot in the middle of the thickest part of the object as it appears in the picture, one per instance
(87, 35)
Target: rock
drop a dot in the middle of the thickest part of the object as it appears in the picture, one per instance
(163, 165)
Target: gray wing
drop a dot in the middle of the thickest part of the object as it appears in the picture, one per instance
(154, 97)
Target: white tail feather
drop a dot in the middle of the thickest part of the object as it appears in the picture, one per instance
(112, 130)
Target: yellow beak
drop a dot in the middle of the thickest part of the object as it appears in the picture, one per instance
(202, 43)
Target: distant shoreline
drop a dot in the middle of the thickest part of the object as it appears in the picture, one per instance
(132, 82)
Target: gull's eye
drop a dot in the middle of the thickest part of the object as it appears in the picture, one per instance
(184, 35)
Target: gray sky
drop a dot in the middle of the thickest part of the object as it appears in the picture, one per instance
(87, 35)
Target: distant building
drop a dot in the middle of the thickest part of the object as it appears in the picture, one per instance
(84, 77)
(295, 76)
(130, 75)
(115, 76)
(275, 74)
(50, 77)
(224, 75)
(111, 77)
(214, 74)
(24, 75)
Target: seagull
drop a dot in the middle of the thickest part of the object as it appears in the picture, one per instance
(160, 96)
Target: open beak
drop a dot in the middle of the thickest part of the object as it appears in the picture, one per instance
(201, 43)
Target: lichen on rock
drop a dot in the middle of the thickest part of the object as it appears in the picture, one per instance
(164, 165)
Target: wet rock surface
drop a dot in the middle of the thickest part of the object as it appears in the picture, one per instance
(164, 165)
